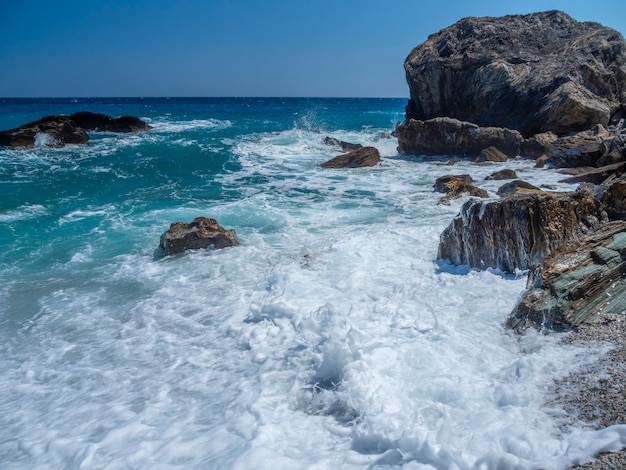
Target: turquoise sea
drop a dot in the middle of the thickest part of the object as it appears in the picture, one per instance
(331, 338)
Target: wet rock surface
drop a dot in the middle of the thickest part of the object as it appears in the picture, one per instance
(456, 186)
(202, 232)
(58, 130)
(362, 157)
(102, 122)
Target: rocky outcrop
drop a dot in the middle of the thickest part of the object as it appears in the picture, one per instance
(366, 156)
(518, 188)
(596, 175)
(516, 233)
(491, 154)
(533, 73)
(102, 122)
(202, 232)
(342, 144)
(455, 186)
(446, 136)
(58, 129)
(505, 174)
(577, 283)
(594, 147)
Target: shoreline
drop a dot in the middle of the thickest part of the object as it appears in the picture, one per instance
(595, 394)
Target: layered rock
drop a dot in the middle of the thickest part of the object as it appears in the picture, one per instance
(58, 129)
(202, 232)
(446, 136)
(516, 233)
(577, 283)
(533, 73)
(491, 154)
(518, 188)
(362, 157)
(102, 122)
(505, 174)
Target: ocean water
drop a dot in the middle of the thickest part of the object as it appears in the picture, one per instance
(330, 339)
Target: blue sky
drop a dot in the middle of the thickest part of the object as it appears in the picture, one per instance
(68, 48)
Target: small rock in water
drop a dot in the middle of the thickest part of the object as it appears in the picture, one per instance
(366, 156)
(201, 233)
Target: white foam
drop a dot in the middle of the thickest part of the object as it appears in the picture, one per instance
(190, 125)
(328, 339)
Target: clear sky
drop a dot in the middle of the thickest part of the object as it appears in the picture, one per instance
(95, 48)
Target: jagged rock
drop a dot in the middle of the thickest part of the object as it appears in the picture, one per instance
(585, 148)
(577, 283)
(491, 154)
(518, 232)
(342, 144)
(446, 136)
(518, 188)
(102, 122)
(202, 232)
(614, 198)
(366, 156)
(533, 73)
(60, 129)
(597, 175)
(505, 174)
(455, 186)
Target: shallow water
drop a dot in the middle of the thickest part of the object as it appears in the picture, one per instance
(331, 338)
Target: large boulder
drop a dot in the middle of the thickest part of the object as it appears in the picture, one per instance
(58, 130)
(202, 232)
(577, 283)
(362, 157)
(446, 136)
(533, 73)
(517, 232)
(102, 122)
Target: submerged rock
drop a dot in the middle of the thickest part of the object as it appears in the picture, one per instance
(202, 232)
(58, 130)
(102, 122)
(516, 233)
(533, 73)
(446, 136)
(366, 156)
(577, 283)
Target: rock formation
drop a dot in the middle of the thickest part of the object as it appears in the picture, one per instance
(365, 156)
(59, 128)
(533, 73)
(518, 188)
(456, 186)
(102, 122)
(577, 283)
(202, 232)
(505, 174)
(446, 136)
(517, 232)
(491, 154)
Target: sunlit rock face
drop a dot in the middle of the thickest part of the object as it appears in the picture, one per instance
(532, 73)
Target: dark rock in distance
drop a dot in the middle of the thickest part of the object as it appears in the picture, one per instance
(446, 136)
(102, 122)
(60, 128)
(577, 283)
(516, 233)
(202, 232)
(533, 73)
(363, 157)
(505, 174)
(342, 144)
